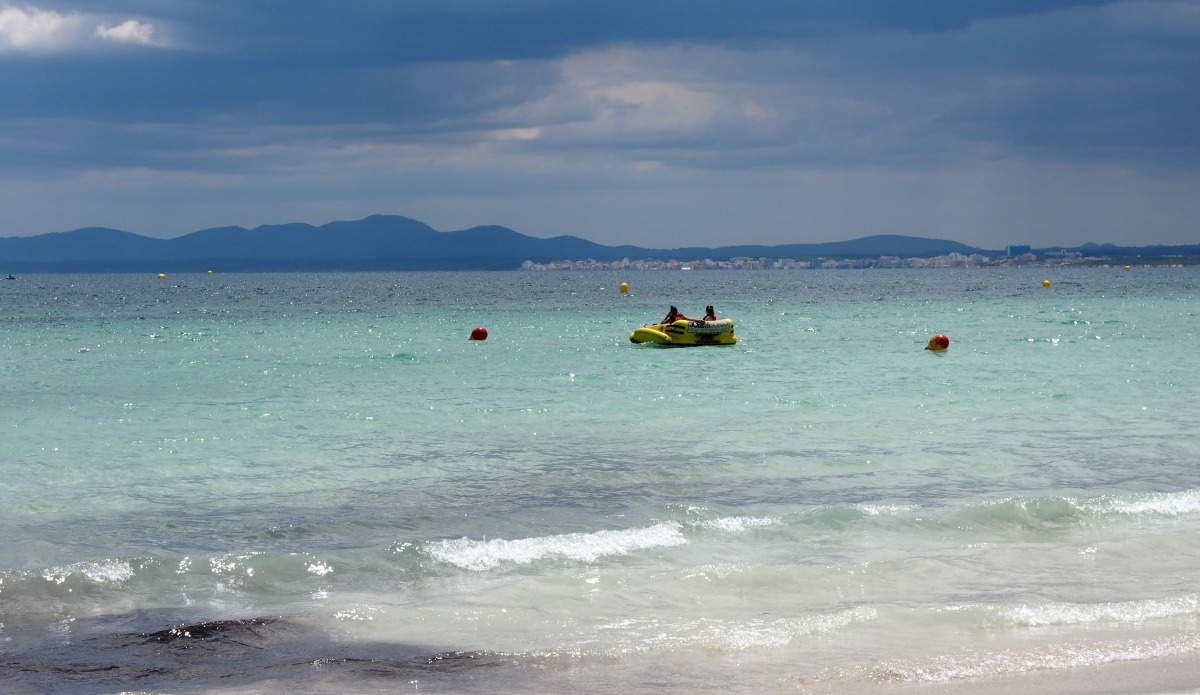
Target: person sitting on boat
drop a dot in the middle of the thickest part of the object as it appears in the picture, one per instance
(709, 314)
(673, 315)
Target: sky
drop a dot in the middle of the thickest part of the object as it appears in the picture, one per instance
(660, 123)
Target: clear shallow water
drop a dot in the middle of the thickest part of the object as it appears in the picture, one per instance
(316, 483)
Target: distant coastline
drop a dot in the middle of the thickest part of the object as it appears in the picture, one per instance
(953, 260)
(395, 243)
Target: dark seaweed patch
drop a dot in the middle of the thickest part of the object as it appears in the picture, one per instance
(190, 656)
(229, 630)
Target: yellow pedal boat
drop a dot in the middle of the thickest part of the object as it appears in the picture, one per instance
(686, 333)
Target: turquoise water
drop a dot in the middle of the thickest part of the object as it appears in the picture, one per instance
(251, 483)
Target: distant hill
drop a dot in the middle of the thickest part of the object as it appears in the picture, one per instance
(390, 242)
(379, 242)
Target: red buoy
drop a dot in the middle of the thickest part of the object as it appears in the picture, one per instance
(938, 342)
(479, 333)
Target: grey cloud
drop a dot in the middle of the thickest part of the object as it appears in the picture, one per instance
(472, 101)
(364, 32)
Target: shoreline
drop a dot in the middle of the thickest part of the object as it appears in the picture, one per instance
(1176, 674)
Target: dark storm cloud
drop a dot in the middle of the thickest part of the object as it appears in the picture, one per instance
(366, 32)
(296, 58)
(454, 104)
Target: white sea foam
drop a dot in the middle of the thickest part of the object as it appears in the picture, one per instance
(738, 524)
(1159, 504)
(232, 563)
(1165, 504)
(650, 635)
(484, 555)
(976, 663)
(1122, 611)
(319, 568)
(101, 572)
(886, 509)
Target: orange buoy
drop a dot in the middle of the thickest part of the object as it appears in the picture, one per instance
(938, 343)
(479, 333)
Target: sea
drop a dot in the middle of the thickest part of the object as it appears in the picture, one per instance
(316, 483)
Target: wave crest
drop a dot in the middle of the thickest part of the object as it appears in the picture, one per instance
(485, 555)
(1117, 611)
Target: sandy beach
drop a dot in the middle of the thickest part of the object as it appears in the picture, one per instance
(1157, 676)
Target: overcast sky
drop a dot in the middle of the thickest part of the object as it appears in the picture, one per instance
(661, 123)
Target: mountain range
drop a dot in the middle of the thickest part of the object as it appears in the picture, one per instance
(391, 242)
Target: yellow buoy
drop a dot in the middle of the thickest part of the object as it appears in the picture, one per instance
(210, 272)
(162, 276)
(1045, 283)
(624, 287)
(1128, 268)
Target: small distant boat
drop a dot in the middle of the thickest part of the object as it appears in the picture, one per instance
(686, 333)
(11, 277)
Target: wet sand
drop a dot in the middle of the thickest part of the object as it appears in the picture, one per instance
(1157, 676)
